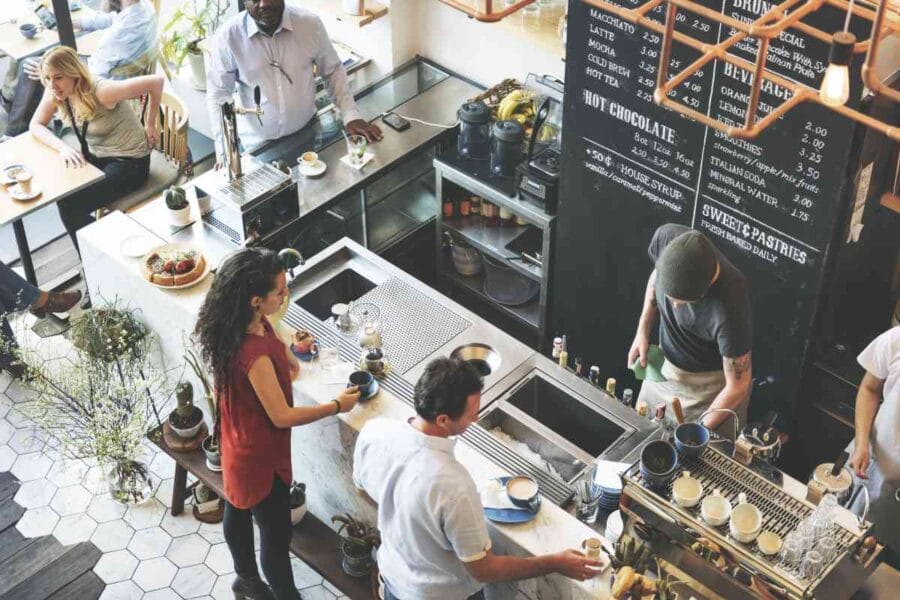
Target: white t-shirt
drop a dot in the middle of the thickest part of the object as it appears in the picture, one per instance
(429, 511)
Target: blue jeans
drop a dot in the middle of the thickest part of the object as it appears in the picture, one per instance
(15, 294)
(389, 594)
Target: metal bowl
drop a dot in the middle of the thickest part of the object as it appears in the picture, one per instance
(466, 260)
(485, 359)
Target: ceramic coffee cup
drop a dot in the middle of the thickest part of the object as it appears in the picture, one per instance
(691, 438)
(687, 490)
(363, 381)
(23, 178)
(659, 460)
(523, 491)
(309, 159)
(373, 357)
(29, 30)
(715, 509)
(746, 521)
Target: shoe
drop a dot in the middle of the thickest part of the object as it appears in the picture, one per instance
(57, 303)
(251, 589)
(18, 370)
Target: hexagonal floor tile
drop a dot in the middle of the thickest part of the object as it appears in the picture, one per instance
(71, 500)
(163, 465)
(148, 514)
(113, 535)
(67, 471)
(219, 560)
(103, 508)
(116, 566)
(188, 550)
(20, 416)
(33, 465)
(149, 543)
(304, 576)
(95, 480)
(163, 594)
(19, 392)
(27, 440)
(6, 430)
(5, 406)
(317, 593)
(212, 533)
(74, 528)
(7, 457)
(163, 492)
(35, 493)
(124, 590)
(154, 574)
(37, 522)
(183, 524)
(191, 582)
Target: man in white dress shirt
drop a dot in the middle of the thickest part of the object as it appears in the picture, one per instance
(276, 47)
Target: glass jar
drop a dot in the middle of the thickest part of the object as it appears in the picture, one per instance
(474, 141)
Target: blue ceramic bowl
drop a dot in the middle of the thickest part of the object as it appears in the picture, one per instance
(29, 30)
(691, 438)
(659, 461)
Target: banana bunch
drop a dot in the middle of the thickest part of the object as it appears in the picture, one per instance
(516, 106)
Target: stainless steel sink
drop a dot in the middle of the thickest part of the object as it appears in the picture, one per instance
(345, 286)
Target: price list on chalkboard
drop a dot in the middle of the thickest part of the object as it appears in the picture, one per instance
(768, 203)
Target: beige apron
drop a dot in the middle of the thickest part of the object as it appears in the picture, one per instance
(696, 392)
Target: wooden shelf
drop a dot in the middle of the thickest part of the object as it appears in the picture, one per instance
(332, 8)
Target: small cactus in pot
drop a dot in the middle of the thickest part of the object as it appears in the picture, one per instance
(186, 419)
(177, 203)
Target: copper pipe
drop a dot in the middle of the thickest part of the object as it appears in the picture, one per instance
(665, 51)
(488, 16)
(753, 101)
(869, 73)
(754, 29)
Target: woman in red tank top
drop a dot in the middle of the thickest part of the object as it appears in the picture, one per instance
(253, 369)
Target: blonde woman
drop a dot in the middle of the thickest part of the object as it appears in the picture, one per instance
(109, 130)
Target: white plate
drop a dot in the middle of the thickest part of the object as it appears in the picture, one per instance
(137, 245)
(176, 248)
(5, 179)
(16, 192)
(313, 171)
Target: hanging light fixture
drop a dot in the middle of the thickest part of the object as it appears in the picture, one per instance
(835, 88)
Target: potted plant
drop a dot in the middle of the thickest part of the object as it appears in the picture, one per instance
(186, 419)
(189, 25)
(177, 203)
(357, 543)
(298, 502)
(210, 445)
(99, 401)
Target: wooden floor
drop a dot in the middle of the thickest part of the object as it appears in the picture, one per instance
(41, 568)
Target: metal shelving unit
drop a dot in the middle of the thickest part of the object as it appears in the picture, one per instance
(497, 242)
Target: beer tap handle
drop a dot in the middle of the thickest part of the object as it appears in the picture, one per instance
(257, 96)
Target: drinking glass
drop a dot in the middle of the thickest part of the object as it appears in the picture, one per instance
(827, 547)
(531, 17)
(805, 532)
(356, 149)
(792, 549)
(822, 521)
(812, 564)
(329, 359)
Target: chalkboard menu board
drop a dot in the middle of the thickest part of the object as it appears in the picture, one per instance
(770, 204)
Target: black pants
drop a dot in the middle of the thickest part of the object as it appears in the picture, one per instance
(123, 175)
(273, 516)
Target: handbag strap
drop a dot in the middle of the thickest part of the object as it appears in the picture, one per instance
(82, 135)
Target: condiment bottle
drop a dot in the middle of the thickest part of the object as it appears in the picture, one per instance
(464, 207)
(448, 208)
(641, 407)
(475, 205)
(578, 366)
(506, 216)
(520, 220)
(611, 386)
(627, 397)
(557, 348)
(564, 354)
(594, 376)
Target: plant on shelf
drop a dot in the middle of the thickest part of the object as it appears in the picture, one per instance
(190, 24)
(358, 541)
(211, 443)
(186, 419)
(98, 401)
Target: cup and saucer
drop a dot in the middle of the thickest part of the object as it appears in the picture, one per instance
(309, 165)
(24, 188)
(366, 383)
(511, 499)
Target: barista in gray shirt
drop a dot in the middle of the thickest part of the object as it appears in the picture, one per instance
(705, 327)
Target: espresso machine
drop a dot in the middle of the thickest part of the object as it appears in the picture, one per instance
(250, 198)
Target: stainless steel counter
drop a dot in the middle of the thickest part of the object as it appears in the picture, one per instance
(438, 104)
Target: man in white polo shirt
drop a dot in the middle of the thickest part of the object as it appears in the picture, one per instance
(435, 544)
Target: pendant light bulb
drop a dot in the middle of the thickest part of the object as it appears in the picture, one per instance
(835, 89)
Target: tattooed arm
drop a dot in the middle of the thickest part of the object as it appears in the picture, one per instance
(738, 381)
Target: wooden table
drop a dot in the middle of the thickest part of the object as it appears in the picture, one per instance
(17, 46)
(51, 174)
(312, 541)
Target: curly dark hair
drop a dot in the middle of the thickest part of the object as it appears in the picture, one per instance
(226, 312)
(444, 388)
